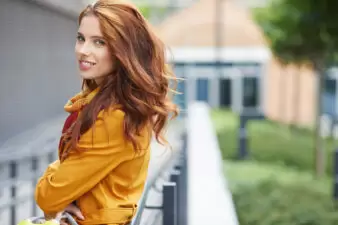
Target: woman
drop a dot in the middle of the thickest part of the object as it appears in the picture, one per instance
(104, 149)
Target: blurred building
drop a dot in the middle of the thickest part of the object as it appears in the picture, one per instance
(37, 66)
(223, 57)
(227, 63)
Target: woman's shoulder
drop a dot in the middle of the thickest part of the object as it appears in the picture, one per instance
(108, 122)
(113, 113)
(112, 120)
(107, 129)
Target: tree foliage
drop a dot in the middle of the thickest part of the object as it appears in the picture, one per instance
(303, 31)
(299, 30)
(279, 26)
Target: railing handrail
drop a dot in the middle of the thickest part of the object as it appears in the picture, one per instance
(8, 156)
(208, 194)
(150, 183)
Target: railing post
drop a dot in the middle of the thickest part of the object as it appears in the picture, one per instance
(13, 175)
(184, 177)
(169, 204)
(184, 197)
(176, 178)
(242, 137)
(335, 176)
(179, 176)
(34, 181)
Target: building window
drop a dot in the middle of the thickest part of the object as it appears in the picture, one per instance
(202, 90)
(329, 97)
(237, 86)
(225, 92)
(250, 92)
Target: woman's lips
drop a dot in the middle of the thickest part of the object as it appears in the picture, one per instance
(86, 65)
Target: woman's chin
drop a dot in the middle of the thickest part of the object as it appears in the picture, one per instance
(86, 76)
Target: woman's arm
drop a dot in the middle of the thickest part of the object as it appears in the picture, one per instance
(52, 168)
(105, 147)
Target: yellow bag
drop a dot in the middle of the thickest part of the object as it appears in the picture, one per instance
(41, 220)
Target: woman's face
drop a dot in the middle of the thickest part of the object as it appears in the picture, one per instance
(92, 51)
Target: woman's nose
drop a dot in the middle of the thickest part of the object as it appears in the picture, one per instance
(84, 49)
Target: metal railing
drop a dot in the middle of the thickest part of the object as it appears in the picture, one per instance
(19, 173)
(22, 170)
(174, 205)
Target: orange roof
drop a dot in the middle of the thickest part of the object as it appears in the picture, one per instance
(195, 26)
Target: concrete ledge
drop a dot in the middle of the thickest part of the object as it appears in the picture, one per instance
(209, 199)
(39, 140)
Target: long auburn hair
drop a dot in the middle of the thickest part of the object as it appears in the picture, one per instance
(140, 80)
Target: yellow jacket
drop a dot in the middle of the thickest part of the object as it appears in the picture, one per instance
(106, 180)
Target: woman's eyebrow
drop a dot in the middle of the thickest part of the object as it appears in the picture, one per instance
(94, 36)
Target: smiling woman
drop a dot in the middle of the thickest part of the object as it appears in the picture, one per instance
(92, 51)
(104, 149)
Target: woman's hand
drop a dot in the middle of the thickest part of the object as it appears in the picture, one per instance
(74, 210)
(56, 216)
(71, 209)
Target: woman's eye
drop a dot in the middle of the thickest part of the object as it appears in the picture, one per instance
(80, 38)
(99, 42)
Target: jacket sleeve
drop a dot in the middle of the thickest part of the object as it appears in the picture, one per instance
(104, 149)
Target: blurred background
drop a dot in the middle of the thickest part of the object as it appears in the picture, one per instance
(255, 141)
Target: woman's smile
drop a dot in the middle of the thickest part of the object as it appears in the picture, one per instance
(86, 65)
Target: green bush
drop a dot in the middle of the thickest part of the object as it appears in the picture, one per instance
(272, 203)
(270, 142)
(251, 172)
